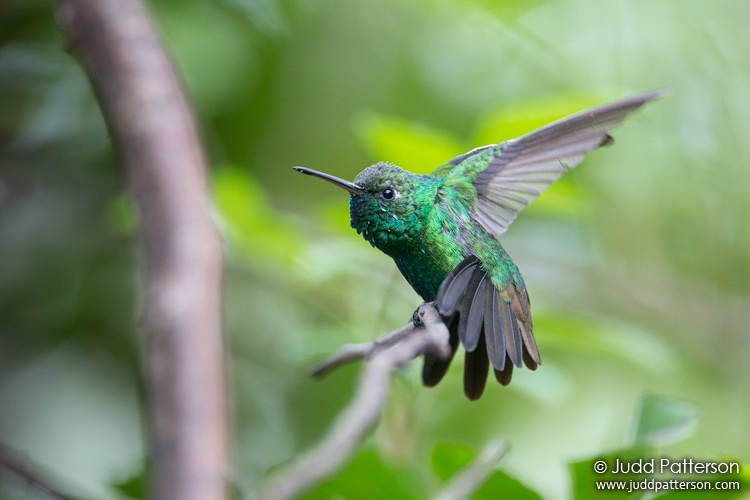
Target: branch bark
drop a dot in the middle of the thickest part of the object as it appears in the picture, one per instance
(156, 137)
(385, 356)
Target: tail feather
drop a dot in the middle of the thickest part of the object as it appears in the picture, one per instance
(472, 311)
(493, 329)
(476, 369)
(521, 309)
(504, 376)
(511, 334)
(453, 287)
(434, 367)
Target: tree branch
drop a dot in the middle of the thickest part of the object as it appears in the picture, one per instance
(385, 356)
(155, 134)
(353, 352)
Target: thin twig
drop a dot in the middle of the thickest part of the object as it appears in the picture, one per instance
(474, 475)
(353, 352)
(30, 473)
(156, 138)
(352, 424)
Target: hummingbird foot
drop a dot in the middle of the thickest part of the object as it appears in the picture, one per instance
(416, 317)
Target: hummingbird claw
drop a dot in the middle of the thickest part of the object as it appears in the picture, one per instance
(416, 318)
(418, 314)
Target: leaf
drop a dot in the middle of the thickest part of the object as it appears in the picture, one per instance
(501, 485)
(511, 120)
(193, 31)
(121, 215)
(609, 337)
(249, 220)
(449, 459)
(370, 476)
(414, 147)
(134, 486)
(664, 420)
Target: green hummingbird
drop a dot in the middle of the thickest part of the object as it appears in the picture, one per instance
(441, 230)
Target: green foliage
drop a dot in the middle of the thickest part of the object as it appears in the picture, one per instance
(250, 221)
(404, 143)
(133, 487)
(659, 420)
(514, 120)
(369, 476)
(449, 459)
(664, 420)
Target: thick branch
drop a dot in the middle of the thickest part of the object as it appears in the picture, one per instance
(156, 137)
(363, 411)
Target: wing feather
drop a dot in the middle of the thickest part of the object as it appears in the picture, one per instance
(510, 175)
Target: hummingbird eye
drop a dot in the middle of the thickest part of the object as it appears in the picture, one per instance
(388, 194)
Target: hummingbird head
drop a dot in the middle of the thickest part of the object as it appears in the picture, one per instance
(388, 205)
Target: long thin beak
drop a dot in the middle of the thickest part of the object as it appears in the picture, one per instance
(349, 186)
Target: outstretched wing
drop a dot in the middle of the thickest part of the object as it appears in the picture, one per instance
(508, 176)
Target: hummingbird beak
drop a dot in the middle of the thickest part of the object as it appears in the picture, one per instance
(349, 186)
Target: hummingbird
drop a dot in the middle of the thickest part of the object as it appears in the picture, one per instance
(442, 232)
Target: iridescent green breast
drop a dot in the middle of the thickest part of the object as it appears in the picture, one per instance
(449, 237)
(446, 240)
(428, 264)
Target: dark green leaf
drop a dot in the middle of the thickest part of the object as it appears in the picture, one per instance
(415, 147)
(134, 486)
(370, 476)
(501, 485)
(449, 458)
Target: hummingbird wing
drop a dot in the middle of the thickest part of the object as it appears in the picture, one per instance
(508, 176)
(493, 320)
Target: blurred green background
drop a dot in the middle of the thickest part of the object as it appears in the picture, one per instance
(637, 262)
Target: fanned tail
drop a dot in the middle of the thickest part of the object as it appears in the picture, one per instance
(493, 325)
